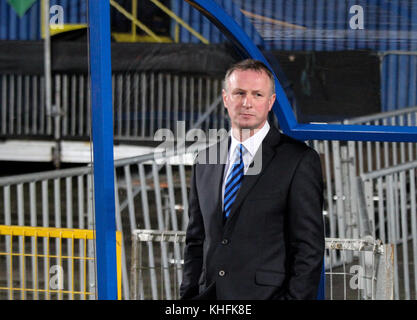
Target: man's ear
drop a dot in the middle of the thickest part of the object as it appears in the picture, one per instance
(224, 95)
(271, 101)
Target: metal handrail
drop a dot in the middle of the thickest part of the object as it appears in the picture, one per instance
(180, 21)
(166, 10)
(380, 115)
(135, 21)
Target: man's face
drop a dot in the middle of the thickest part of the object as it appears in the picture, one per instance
(248, 98)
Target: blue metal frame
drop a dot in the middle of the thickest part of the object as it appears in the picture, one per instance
(102, 134)
(282, 107)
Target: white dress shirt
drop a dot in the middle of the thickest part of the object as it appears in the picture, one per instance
(250, 146)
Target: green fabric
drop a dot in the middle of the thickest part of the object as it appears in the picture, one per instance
(21, 6)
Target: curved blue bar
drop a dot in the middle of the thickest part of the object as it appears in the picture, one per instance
(282, 107)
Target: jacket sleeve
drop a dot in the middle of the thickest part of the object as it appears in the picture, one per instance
(193, 253)
(306, 228)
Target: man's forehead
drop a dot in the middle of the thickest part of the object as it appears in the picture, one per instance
(238, 78)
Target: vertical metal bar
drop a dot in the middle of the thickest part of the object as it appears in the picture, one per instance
(134, 267)
(4, 82)
(378, 156)
(57, 108)
(147, 221)
(381, 216)
(200, 98)
(207, 102)
(42, 111)
(184, 196)
(74, 113)
(130, 201)
(214, 96)
(160, 99)
(90, 249)
(386, 149)
(192, 102)
(158, 199)
(144, 92)
(21, 222)
(19, 95)
(125, 284)
(360, 156)
(47, 64)
(57, 207)
(102, 120)
(10, 278)
(119, 105)
(26, 104)
(339, 191)
(171, 196)
(168, 102)
(410, 144)
(64, 114)
(11, 104)
(45, 223)
(7, 222)
(329, 194)
(152, 111)
(33, 223)
(413, 212)
(128, 107)
(184, 105)
(135, 103)
(69, 224)
(35, 105)
(392, 231)
(404, 231)
(81, 225)
(402, 144)
(353, 195)
(80, 114)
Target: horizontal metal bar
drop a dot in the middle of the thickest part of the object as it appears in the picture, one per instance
(157, 235)
(390, 170)
(367, 244)
(314, 131)
(380, 116)
(46, 232)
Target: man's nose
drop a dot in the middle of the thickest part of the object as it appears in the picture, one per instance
(247, 101)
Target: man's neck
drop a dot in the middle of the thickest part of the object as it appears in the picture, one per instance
(244, 134)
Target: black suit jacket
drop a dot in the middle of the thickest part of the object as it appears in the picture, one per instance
(272, 244)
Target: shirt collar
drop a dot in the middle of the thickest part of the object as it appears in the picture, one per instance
(251, 144)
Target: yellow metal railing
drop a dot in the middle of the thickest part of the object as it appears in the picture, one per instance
(40, 255)
(135, 22)
(132, 16)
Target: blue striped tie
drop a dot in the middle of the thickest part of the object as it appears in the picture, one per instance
(233, 182)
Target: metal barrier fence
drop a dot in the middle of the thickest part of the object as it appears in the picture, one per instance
(152, 195)
(143, 102)
(35, 267)
(389, 202)
(156, 273)
(343, 161)
(149, 193)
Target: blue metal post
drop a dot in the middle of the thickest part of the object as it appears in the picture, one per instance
(102, 132)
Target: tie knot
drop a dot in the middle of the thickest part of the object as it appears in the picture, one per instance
(239, 153)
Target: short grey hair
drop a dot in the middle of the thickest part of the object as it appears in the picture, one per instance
(250, 64)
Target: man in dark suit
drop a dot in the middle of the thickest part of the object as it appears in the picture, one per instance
(255, 213)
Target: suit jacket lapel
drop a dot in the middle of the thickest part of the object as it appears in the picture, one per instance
(263, 155)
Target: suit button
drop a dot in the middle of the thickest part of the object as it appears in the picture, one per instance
(222, 273)
(225, 241)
